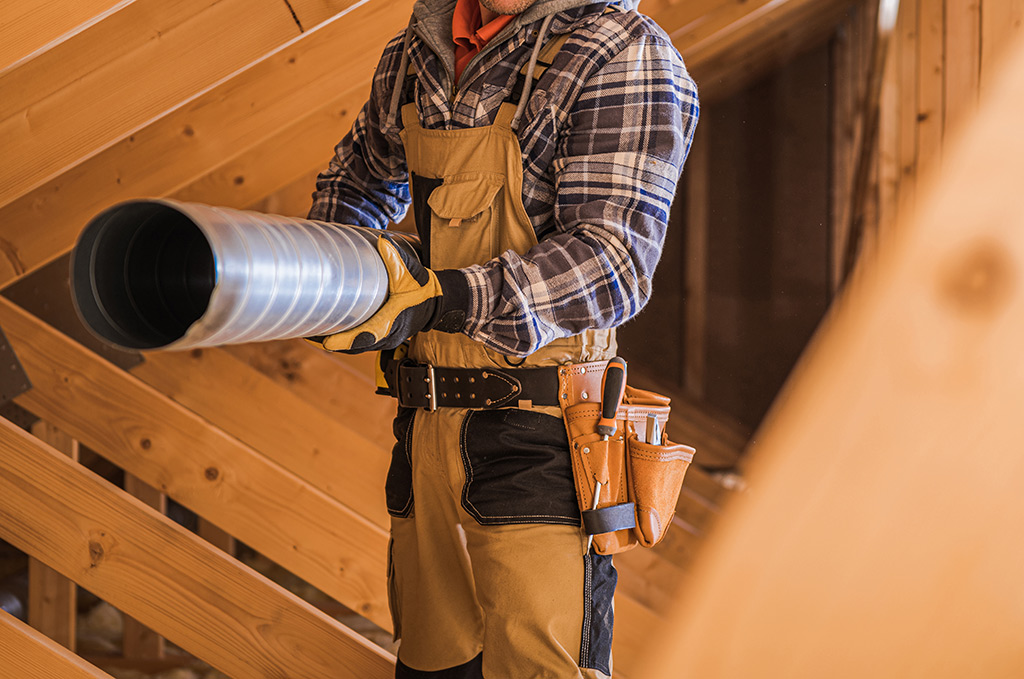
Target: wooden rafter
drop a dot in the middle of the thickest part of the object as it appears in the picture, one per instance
(882, 540)
(197, 136)
(28, 654)
(170, 579)
(206, 470)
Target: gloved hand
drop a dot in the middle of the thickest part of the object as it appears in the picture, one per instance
(416, 302)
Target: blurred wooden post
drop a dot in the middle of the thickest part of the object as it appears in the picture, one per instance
(140, 642)
(216, 536)
(883, 535)
(52, 598)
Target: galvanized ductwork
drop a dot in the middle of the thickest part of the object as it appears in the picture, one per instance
(158, 274)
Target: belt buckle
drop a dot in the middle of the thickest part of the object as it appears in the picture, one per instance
(431, 389)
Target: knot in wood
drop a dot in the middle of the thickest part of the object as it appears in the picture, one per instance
(212, 473)
(979, 281)
(95, 553)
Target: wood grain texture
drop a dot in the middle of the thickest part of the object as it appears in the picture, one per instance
(30, 25)
(1002, 28)
(52, 598)
(339, 386)
(323, 451)
(931, 92)
(201, 133)
(882, 537)
(116, 98)
(204, 469)
(963, 61)
(29, 654)
(157, 571)
(137, 640)
(294, 150)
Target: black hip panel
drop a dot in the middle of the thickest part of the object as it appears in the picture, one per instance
(518, 468)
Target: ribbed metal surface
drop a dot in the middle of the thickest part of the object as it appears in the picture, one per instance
(158, 274)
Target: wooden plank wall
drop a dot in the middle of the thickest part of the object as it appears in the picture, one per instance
(943, 59)
(883, 539)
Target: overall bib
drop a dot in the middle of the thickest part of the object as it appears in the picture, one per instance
(487, 556)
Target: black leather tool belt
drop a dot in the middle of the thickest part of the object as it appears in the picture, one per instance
(418, 385)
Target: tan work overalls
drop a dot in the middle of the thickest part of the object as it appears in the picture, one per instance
(512, 589)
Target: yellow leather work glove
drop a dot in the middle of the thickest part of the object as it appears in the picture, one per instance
(414, 304)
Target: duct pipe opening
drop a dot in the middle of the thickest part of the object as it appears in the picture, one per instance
(142, 274)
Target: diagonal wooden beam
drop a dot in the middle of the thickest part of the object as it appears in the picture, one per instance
(206, 470)
(883, 538)
(28, 654)
(29, 26)
(185, 144)
(159, 572)
(126, 70)
(329, 454)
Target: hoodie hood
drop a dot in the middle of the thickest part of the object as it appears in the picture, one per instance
(432, 20)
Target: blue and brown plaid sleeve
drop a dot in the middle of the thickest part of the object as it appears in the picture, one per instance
(616, 170)
(366, 183)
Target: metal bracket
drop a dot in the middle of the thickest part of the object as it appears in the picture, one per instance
(13, 380)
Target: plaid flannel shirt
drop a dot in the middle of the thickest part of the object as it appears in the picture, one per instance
(604, 137)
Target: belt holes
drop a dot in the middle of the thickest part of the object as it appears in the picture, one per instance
(472, 380)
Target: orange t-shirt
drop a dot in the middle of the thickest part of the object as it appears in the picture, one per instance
(469, 35)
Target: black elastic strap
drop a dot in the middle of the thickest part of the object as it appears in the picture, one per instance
(609, 519)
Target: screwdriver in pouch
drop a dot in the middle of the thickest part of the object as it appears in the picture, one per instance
(613, 387)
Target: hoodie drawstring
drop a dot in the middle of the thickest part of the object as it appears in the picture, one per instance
(403, 67)
(528, 85)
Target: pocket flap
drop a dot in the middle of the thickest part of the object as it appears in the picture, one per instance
(464, 197)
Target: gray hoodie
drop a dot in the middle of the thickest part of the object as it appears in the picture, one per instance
(432, 21)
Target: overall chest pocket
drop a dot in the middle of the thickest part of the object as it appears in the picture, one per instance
(465, 220)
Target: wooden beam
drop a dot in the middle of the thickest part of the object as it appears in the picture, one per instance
(294, 199)
(735, 24)
(30, 654)
(26, 27)
(206, 470)
(906, 54)
(52, 598)
(112, 101)
(931, 108)
(337, 385)
(963, 61)
(882, 539)
(198, 135)
(760, 53)
(137, 640)
(294, 150)
(145, 564)
(1002, 27)
(696, 185)
(216, 536)
(330, 455)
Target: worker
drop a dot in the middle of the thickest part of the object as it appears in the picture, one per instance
(539, 144)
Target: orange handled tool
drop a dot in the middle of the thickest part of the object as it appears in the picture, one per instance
(613, 387)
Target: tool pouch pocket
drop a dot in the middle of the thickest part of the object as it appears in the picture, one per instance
(639, 481)
(655, 477)
(611, 519)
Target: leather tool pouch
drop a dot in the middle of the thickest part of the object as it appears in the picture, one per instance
(640, 482)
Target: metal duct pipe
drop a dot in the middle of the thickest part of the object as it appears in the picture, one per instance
(158, 274)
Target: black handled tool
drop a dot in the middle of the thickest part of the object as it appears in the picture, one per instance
(613, 387)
